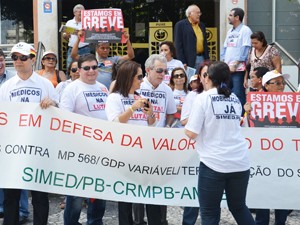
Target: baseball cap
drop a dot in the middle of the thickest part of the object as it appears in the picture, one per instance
(273, 74)
(194, 77)
(23, 48)
(49, 52)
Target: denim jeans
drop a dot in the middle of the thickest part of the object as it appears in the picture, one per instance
(263, 216)
(237, 86)
(23, 203)
(198, 62)
(211, 186)
(73, 207)
(40, 203)
(190, 215)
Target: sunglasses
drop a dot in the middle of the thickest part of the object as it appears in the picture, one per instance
(23, 58)
(73, 70)
(87, 68)
(50, 58)
(140, 77)
(205, 75)
(161, 70)
(176, 76)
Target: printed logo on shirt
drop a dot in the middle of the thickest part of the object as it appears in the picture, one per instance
(233, 39)
(95, 100)
(226, 108)
(26, 94)
(138, 113)
(157, 98)
(105, 66)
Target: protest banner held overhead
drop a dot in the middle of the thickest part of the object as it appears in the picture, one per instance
(103, 25)
(274, 109)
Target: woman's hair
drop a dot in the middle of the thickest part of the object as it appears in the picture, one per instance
(219, 74)
(125, 76)
(171, 47)
(201, 66)
(172, 84)
(69, 67)
(260, 37)
(115, 68)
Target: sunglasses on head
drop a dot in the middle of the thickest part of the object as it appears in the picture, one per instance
(181, 75)
(161, 70)
(49, 58)
(87, 68)
(74, 69)
(23, 58)
(140, 77)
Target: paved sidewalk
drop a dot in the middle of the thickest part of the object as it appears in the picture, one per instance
(111, 216)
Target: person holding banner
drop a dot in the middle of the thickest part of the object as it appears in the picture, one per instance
(27, 86)
(83, 48)
(87, 97)
(224, 162)
(272, 81)
(105, 62)
(125, 105)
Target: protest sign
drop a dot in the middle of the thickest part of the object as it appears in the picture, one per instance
(103, 25)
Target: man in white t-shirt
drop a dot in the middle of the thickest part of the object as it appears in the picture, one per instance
(161, 97)
(83, 47)
(85, 96)
(26, 86)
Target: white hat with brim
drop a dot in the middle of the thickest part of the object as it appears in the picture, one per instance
(48, 53)
(273, 74)
(194, 77)
(23, 48)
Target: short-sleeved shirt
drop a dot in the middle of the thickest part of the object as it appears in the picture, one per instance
(117, 104)
(85, 99)
(219, 143)
(34, 89)
(161, 98)
(73, 38)
(105, 70)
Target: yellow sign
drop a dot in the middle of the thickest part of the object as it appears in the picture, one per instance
(159, 32)
(212, 42)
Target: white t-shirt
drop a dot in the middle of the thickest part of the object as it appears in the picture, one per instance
(171, 65)
(61, 87)
(216, 120)
(116, 104)
(179, 97)
(73, 38)
(34, 89)
(187, 105)
(161, 98)
(85, 99)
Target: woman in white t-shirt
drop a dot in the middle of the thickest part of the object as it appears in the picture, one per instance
(178, 84)
(167, 49)
(224, 162)
(125, 105)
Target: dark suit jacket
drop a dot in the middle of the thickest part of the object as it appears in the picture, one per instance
(185, 42)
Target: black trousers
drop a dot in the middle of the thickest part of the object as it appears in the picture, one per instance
(40, 203)
(125, 214)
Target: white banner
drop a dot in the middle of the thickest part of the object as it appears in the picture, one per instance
(61, 152)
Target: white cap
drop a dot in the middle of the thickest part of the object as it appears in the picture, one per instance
(49, 52)
(273, 74)
(23, 48)
(194, 77)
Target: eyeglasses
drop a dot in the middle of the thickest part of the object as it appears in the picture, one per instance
(73, 70)
(161, 70)
(176, 76)
(23, 58)
(49, 58)
(140, 77)
(278, 83)
(87, 68)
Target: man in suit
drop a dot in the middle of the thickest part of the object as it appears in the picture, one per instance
(190, 38)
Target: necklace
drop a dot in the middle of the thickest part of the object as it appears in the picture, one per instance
(258, 57)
